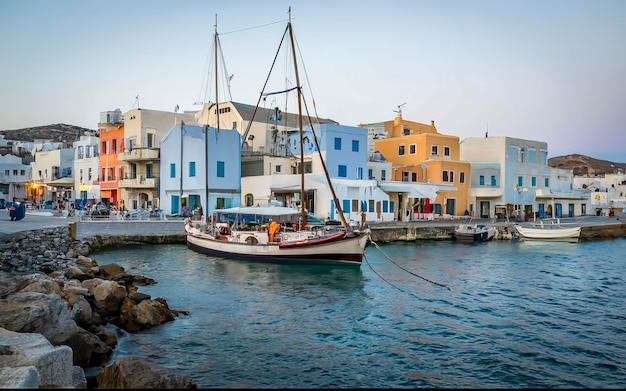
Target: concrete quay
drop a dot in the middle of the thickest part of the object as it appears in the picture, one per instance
(593, 227)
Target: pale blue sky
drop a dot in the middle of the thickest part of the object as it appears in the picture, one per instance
(547, 70)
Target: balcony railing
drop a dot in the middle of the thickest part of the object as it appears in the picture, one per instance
(138, 154)
(140, 182)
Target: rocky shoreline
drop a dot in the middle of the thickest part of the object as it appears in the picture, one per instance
(55, 304)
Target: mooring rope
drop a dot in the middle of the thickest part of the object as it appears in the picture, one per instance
(378, 274)
(392, 261)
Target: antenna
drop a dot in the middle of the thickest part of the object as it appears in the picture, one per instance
(136, 102)
(399, 111)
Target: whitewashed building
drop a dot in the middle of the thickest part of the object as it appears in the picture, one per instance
(86, 169)
(510, 178)
(196, 166)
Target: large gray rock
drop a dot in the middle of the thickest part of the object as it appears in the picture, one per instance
(21, 377)
(53, 364)
(49, 315)
(135, 372)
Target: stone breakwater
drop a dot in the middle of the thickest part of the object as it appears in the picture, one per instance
(55, 304)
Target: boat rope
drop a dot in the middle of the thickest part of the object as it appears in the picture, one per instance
(408, 271)
(378, 274)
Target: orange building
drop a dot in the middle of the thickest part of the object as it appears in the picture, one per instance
(418, 153)
(111, 169)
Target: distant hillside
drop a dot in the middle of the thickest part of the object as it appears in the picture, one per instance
(57, 133)
(585, 165)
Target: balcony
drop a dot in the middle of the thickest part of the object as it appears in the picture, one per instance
(140, 182)
(139, 154)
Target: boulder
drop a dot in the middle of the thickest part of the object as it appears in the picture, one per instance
(146, 314)
(135, 372)
(35, 360)
(108, 295)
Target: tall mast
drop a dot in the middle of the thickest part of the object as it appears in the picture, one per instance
(206, 208)
(295, 65)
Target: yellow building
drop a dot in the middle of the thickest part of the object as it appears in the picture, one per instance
(418, 153)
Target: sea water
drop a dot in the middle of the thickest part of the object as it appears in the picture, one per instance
(436, 314)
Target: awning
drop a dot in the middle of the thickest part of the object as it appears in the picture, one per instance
(414, 190)
(105, 193)
(62, 182)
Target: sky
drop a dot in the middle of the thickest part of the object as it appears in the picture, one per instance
(545, 70)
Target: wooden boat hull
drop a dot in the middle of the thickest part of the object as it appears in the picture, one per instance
(549, 234)
(347, 250)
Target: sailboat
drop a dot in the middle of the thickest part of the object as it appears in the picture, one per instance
(277, 234)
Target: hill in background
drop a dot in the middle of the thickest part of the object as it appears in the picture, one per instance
(585, 165)
(66, 134)
(580, 164)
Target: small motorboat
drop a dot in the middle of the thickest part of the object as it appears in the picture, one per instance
(468, 233)
(550, 233)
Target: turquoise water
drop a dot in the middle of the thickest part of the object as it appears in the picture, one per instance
(420, 314)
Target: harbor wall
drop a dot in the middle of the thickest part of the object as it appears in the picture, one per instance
(380, 232)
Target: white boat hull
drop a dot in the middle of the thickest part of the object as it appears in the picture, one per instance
(348, 250)
(549, 234)
(467, 233)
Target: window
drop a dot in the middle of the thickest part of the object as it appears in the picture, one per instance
(234, 125)
(412, 149)
(7, 172)
(481, 180)
(149, 171)
(533, 181)
(446, 151)
(173, 170)
(337, 143)
(114, 145)
(192, 169)
(279, 168)
(80, 152)
(89, 171)
(370, 173)
(434, 150)
(451, 176)
(546, 182)
(406, 131)
(520, 181)
(370, 204)
(346, 206)
(444, 177)
(461, 177)
(401, 150)
(493, 180)
(355, 205)
(150, 140)
(220, 169)
(342, 171)
(405, 176)
(413, 177)
(522, 154)
(383, 175)
(355, 145)
(359, 173)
